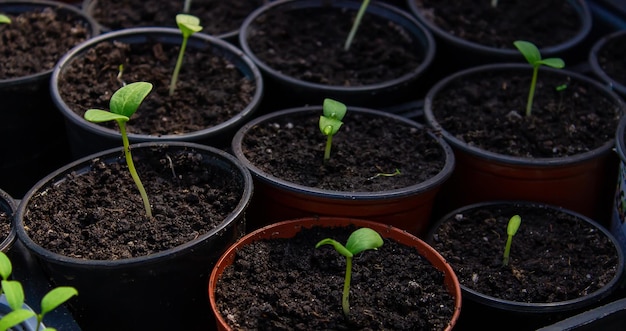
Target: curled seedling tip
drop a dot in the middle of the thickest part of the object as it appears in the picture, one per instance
(511, 230)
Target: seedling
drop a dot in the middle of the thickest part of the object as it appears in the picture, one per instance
(4, 19)
(533, 56)
(330, 122)
(14, 294)
(383, 174)
(120, 72)
(360, 240)
(124, 103)
(188, 25)
(187, 6)
(511, 230)
(560, 89)
(355, 24)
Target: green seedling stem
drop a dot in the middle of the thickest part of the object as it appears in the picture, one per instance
(533, 56)
(4, 19)
(355, 24)
(360, 240)
(187, 6)
(511, 230)
(188, 25)
(124, 103)
(330, 122)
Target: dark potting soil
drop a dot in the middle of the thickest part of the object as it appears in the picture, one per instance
(217, 17)
(99, 214)
(554, 256)
(288, 284)
(5, 224)
(487, 110)
(611, 59)
(36, 40)
(292, 148)
(542, 22)
(210, 88)
(307, 44)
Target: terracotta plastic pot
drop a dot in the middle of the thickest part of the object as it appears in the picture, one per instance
(86, 137)
(277, 199)
(450, 46)
(169, 286)
(582, 182)
(285, 91)
(614, 39)
(31, 130)
(488, 312)
(288, 229)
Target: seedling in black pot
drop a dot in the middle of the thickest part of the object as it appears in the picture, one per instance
(124, 103)
(511, 230)
(355, 24)
(533, 56)
(188, 25)
(330, 122)
(360, 240)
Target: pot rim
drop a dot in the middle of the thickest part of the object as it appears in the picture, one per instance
(580, 6)
(386, 231)
(539, 162)
(43, 76)
(424, 186)
(173, 34)
(8, 205)
(244, 200)
(383, 10)
(539, 307)
(595, 64)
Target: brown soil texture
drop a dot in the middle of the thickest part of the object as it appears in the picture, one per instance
(292, 148)
(99, 214)
(288, 284)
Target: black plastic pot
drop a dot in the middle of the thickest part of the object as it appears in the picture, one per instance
(487, 312)
(86, 138)
(161, 291)
(455, 53)
(598, 69)
(285, 91)
(31, 130)
(481, 175)
(8, 206)
(277, 199)
(618, 219)
(609, 317)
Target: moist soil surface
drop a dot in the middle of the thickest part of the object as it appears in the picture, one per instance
(288, 284)
(36, 40)
(611, 58)
(554, 256)
(308, 44)
(542, 22)
(5, 224)
(217, 17)
(99, 214)
(487, 111)
(366, 147)
(210, 88)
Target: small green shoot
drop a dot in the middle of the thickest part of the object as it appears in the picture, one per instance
(120, 72)
(355, 24)
(533, 56)
(360, 240)
(14, 294)
(330, 122)
(383, 174)
(560, 89)
(188, 25)
(187, 6)
(124, 103)
(4, 19)
(511, 230)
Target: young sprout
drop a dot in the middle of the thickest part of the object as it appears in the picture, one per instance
(330, 122)
(14, 294)
(4, 19)
(188, 25)
(120, 72)
(124, 103)
(384, 174)
(560, 89)
(355, 24)
(532, 55)
(511, 229)
(187, 6)
(360, 240)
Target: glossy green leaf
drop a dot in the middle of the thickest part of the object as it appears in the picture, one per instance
(99, 116)
(14, 293)
(529, 50)
(127, 99)
(188, 24)
(553, 62)
(56, 297)
(363, 239)
(513, 226)
(14, 318)
(6, 268)
(329, 126)
(334, 109)
(4, 19)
